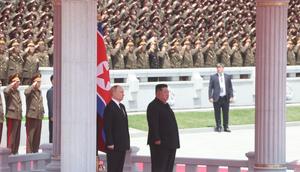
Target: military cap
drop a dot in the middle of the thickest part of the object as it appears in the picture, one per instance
(18, 16)
(130, 43)
(30, 15)
(15, 43)
(14, 78)
(197, 42)
(14, 33)
(209, 39)
(45, 14)
(143, 43)
(4, 18)
(17, 23)
(47, 7)
(32, 4)
(7, 10)
(187, 42)
(30, 44)
(36, 77)
(27, 33)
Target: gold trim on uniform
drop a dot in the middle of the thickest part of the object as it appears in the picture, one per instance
(271, 4)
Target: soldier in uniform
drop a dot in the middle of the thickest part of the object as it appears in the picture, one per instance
(13, 113)
(117, 56)
(129, 56)
(291, 58)
(175, 56)
(209, 53)
(224, 53)
(3, 62)
(42, 54)
(15, 62)
(248, 54)
(142, 56)
(31, 65)
(1, 116)
(236, 55)
(187, 58)
(34, 114)
(297, 51)
(153, 55)
(164, 58)
(198, 59)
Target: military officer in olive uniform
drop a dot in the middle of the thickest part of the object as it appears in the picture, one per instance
(3, 62)
(13, 113)
(42, 55)
(117, 56)
(31, 64)
(164, 58)
(175, 56)
(198, 59)
(248, 54)
(187, 58)
(142, 57)
(297, 51)
(224, 53)
(15, 62)
(236, 55)
(129, 56)
(210, 54)
(291, 58)
(34, 114)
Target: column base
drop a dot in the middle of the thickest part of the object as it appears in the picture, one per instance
(54, 165)
(269, 168)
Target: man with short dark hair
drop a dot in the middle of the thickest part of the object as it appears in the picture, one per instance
(163, 137)
(220, 93)
(116, 131)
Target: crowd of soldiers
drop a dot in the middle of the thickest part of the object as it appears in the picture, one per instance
(26, 38)
(178, 34)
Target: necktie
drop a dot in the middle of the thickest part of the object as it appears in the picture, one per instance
(121, 107)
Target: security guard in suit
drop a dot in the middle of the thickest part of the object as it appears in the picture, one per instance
(13, 113)
(34, 114)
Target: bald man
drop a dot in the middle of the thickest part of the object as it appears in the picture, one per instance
(116, 131)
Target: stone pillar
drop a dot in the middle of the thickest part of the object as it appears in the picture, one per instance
(78, 85)
(54, 165)
(271, 57)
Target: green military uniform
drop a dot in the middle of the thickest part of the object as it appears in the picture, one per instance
(130, 57)
(291, 57)
(15, 63)
(117, 57)
(187, 58)
(43, 58)
(34, 117)
(224, 55)
(237, 59)
(210, 56)
(297, 53)
(142, 57)
(248, 55)
(30, 68)
(164, 58)
(198, 58)
(13, 117)
(3, 67)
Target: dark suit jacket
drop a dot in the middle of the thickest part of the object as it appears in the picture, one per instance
(116, 127)
(214, 87)
(50, 102)
(162, 125)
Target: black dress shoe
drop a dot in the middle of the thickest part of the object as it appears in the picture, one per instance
(218, 129)
(227, 130)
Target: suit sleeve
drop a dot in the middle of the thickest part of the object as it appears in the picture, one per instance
(153, 122)
(108, 119)
(210, 88)
(230, 87)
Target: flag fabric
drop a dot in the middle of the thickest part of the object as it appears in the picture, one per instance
(103, 87)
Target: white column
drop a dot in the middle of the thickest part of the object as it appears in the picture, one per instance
(271, 54)
(78, 85)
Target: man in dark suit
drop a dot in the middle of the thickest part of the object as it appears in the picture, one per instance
(220, 93)
(116, 131)
(163, 137)
(50, 109)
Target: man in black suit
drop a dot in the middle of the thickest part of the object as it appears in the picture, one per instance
(220, 93)
(116, 131)
(49, 97)
(163, 137)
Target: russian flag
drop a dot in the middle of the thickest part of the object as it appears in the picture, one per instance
(103, 87)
